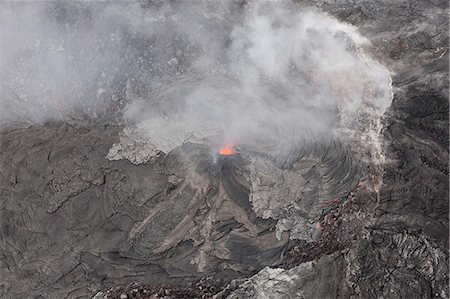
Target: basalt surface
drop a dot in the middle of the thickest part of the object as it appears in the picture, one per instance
(400, 243)
(74, 223)
(72, 217)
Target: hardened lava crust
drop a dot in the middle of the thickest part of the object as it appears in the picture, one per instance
(323, 221)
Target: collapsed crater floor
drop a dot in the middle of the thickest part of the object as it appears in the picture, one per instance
(187, 224)
(184, 216)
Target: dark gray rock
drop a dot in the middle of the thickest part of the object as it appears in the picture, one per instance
(316, 279)
(73, 223)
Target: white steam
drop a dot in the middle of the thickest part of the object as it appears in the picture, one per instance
(261, 74)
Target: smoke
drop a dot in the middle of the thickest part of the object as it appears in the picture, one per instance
(264, 74)
(52, 62)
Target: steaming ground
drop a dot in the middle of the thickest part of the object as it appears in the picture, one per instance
(264, 75)
(286, 79)
(294, 91)
(299, 96)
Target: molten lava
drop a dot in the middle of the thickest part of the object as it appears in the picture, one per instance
(226, 150)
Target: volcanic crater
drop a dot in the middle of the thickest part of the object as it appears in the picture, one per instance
(235, 149)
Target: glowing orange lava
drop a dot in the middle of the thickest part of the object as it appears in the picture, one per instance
(226, 150)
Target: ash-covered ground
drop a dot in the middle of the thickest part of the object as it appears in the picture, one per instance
(113, 116)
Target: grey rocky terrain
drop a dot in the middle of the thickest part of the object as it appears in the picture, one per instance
(94, 205)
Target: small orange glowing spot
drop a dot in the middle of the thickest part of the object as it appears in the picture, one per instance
(226, 150)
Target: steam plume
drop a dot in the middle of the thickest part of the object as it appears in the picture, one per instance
(262, 74)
